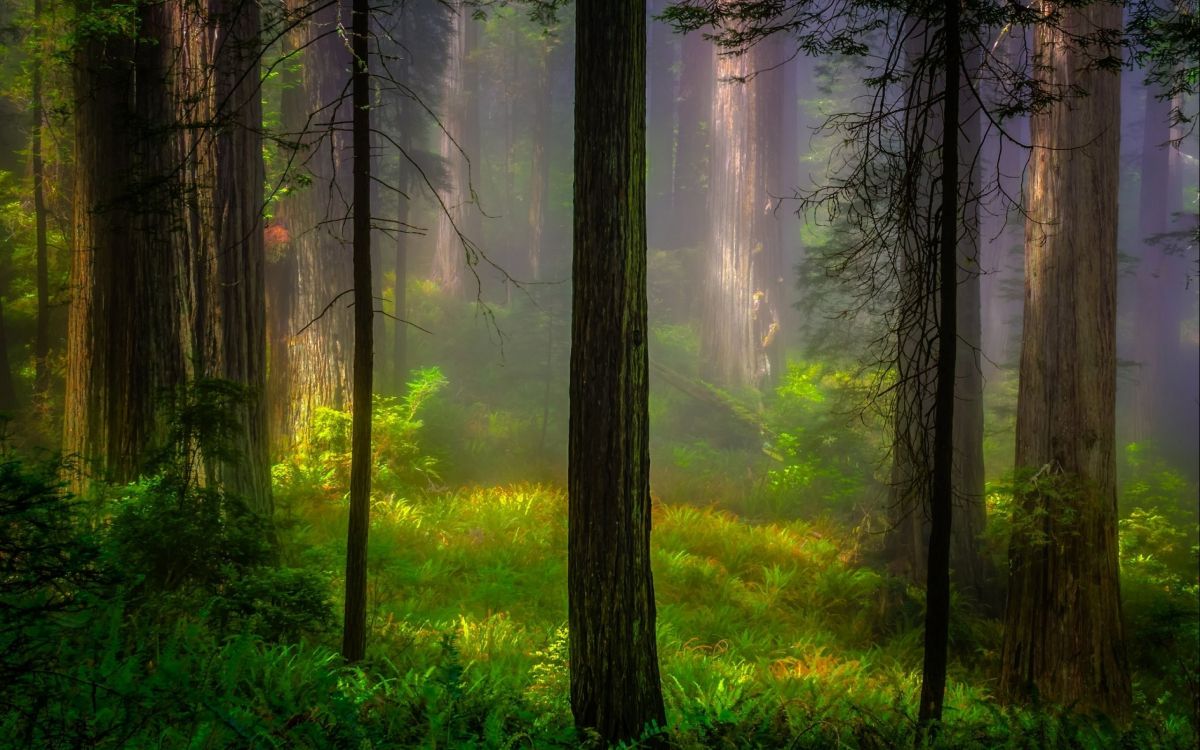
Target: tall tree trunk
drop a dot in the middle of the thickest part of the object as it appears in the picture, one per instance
(231, 344)
(539, 168)
(315, 282)
(689, 191)
(941, 496)
(354, 635)
(660, 124)
(8, 392)
(124, 346)
(908, 537)
(41, 343)
(1063, 634)
(459, 217)
(615, 685)
(743, 289)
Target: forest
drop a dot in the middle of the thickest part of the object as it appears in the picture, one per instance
(600, 374)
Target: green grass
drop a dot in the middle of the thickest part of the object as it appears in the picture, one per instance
(769, 633)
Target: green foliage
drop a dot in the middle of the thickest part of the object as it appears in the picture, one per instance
(322, 461)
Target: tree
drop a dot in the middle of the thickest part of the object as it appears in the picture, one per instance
(615, 686)
(1063, 632)
(743, 284)
(41, 345)
(354, 634)
(458, 221)
(310, 325)
(693, 111)
(167, 271)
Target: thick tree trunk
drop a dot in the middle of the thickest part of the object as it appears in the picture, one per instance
(458, 218)
(743, 288)
(354, 635)
(615, 685)
(124, 346)
(168, 262)
(1063, 635)
(231, 344)
(689, 193)
(313, 285)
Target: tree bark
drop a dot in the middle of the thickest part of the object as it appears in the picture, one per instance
(8, 392)
(41, 344)
(354, 635)
(615, 684)
(459, 146)
(689, 193)
(743, 289)
(1063, 635)
(941, 497)
(311, 276)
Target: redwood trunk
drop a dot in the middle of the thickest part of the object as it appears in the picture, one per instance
(615, 685)
(1063, 635)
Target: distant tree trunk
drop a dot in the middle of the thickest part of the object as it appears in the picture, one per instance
(41, 344)
(743, 289)
(660, 125)
(1063, 634)
(8, 393)
(615, 685)
(689, 191)
(908, 538)
(354, 636)
(315, 291)
(539, 168)
(460, 149)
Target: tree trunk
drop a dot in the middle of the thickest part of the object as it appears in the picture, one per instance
(615, 685)
(908, 537)
(354, 635)
(660, 125)
(124, 346)
(941, 496)
(743, 289)
(458, 217)
(539, 168)
(1063, 635)
(313, 284)
(8, 393)
(689, 193)
(41, 343)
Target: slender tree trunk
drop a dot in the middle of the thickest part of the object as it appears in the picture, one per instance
(539, 168)
(1063, 634)
(743, 288)
(41, 343)
(615, 685)
(8, 393)
(908, 538)
(400, 331)
(941, 498)
(354, 636)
